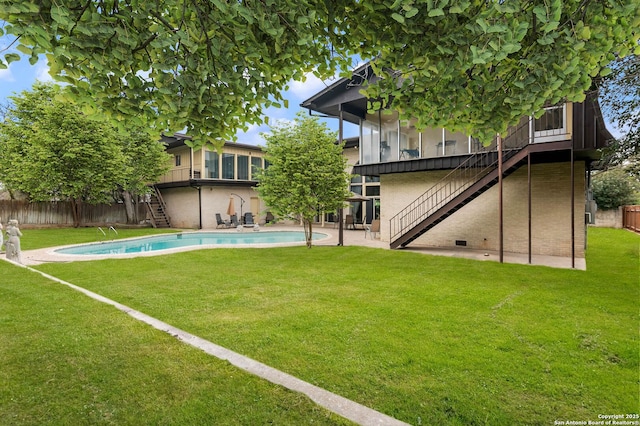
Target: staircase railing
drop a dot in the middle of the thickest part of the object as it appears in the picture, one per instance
(459, 179)
(163, 207)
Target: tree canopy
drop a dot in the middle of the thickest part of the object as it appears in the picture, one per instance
(614, 188)
(51, 151)
(620, 97)
(306, 174)
(213, 66)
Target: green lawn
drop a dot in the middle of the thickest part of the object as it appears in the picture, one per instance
(428, 340)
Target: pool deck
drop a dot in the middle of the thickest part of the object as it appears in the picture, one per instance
(356, 237)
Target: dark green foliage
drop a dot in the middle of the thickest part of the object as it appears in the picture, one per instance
(614, 188)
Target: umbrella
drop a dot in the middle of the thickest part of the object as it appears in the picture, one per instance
(231, 210)
(356, 197)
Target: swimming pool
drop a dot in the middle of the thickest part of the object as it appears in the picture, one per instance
(191, 239)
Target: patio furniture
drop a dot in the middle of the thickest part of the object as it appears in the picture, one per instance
(270, 218)
(248, 219)
(409, 153)
(348, 222)
(234, 220)
(373, 228)
(221, 222)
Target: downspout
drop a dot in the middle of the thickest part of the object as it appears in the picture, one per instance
(199, 207)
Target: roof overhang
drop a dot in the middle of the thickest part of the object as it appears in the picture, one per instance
(343, 96)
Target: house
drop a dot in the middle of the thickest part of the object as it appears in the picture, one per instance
(442, 189)
(204, 182)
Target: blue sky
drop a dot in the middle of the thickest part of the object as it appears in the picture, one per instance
(21, 76)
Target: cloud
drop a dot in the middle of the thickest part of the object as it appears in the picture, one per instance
(311, 86)
(7, 75)
(42, 72)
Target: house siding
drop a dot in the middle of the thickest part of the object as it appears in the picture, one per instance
(183, 205)
(477, 222)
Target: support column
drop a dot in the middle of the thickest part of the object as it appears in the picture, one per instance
(529, 201)
(340, 211)
(500, 200)
(573, 213)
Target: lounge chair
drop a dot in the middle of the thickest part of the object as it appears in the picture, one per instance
(220, 222)
(248, 219)
(234, 220)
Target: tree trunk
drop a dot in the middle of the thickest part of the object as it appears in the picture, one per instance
(76, 210)
(129, 207)
(308, 231)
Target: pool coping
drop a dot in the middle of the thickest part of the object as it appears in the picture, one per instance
(50, 255)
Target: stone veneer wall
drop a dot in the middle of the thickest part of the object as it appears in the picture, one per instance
(477, 222)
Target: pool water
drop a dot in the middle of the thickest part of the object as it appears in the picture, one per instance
(170, 241)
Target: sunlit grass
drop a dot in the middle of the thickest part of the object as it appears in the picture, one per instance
(429, 340)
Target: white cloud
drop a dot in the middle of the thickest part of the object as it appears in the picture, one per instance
(42, 72)
(311, 86)
(7, 75)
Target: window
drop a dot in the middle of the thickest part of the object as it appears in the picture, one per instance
(178, 160)
(228, 166)
(256, 164)
(243, 167)
(373, 191)
(369, 145)
(552, 123)
(212, 165)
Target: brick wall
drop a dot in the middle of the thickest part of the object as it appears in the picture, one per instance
(477, 222)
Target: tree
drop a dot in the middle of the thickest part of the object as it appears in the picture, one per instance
(214, 66)
(620, 97)
(51, 151)
(306, 173)
(614, 188)
(145, 161)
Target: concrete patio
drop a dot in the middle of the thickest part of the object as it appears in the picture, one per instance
(351, 237)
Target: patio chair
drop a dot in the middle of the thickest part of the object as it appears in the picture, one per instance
(373, 228)
(248, 219)
(270, 218)
(221, 222)
(234, 220)
(348, 222)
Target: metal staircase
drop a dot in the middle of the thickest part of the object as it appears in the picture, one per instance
(462, 185)
(158, 209)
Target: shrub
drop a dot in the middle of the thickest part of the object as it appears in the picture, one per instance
(612, 189)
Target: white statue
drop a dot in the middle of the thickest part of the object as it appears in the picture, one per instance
(13, 241)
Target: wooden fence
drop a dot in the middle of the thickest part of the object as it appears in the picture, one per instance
(59, 213)
(631, 218)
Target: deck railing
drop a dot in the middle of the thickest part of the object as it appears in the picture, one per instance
(474, 168)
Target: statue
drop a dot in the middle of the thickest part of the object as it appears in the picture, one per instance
(13, 241)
